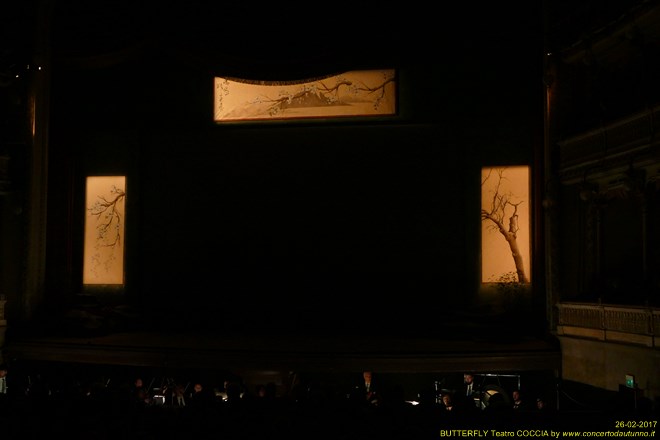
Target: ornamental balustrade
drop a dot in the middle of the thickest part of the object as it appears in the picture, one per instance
(609, 322)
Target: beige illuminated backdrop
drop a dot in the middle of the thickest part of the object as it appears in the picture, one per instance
(505, 224)
(354, 93)
(104, 230)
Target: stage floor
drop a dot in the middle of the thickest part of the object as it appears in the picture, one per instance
(292, 352)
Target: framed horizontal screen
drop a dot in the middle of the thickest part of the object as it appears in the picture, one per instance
(359, 93)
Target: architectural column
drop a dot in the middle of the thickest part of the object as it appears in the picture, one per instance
(37, 164)
(3, 327)
(551, 194)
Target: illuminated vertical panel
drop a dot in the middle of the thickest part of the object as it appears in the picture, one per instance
(105, 213)
(505, 224)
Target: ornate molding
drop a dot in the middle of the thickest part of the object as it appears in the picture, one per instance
(608, 151)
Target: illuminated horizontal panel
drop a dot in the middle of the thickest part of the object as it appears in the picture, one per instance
(350, 94)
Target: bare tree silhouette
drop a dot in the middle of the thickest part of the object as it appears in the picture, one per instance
(503, 215)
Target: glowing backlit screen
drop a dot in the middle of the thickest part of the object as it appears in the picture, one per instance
(505, 224)
(354, 93)
(105, 213)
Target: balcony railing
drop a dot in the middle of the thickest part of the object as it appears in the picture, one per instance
(636, 325)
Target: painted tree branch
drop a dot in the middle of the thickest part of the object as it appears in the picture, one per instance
(321, 94)
(109, 218)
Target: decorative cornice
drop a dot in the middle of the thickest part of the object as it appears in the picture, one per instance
(611, 43)
(611, 149)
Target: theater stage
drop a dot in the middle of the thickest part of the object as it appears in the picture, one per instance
(292, 352)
